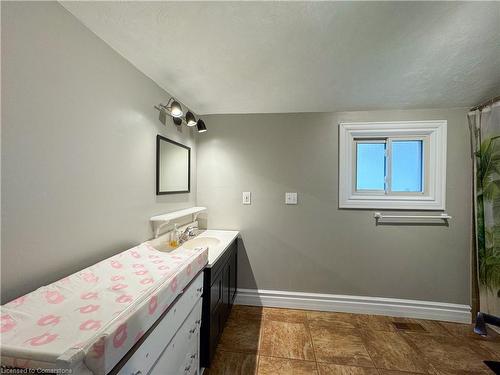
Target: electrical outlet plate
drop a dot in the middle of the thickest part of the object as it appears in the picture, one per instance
(291, 198)
(246, 197)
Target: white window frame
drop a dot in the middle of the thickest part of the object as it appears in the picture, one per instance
(433, 135)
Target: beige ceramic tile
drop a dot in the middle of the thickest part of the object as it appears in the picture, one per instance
(282, 366)
(228, 363)
(375, 323)
(392, 372)
(331, 369)
(492, 350)
(339, 346)
(432, 327)
(286, 340)
(467, 331)
(448, 352)
(332, 319)
(435, 371)
(241, 335)
(342, 344)
(390, 351)
(246, 312)
(284, 315)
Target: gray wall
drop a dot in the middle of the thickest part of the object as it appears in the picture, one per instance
(314, 246)
(78, 148)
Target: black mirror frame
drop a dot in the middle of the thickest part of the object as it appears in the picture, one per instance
(160, 138)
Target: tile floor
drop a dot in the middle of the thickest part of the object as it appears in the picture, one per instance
(262, 341)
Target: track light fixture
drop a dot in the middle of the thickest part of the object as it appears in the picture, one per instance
(201, 126)
(173, 108)
(190, 120)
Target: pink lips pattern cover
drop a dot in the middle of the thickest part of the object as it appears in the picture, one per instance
(91, 311)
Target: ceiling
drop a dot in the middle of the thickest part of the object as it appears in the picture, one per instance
(269, 57)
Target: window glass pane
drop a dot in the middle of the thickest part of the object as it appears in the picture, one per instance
(370, 166)
(406, 166)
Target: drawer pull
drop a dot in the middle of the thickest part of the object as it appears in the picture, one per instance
(192, 330)
(199, 289)
(193, 356)
(198, 321)
(187, 368)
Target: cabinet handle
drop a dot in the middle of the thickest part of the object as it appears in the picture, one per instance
(187, 368)
(198, 321)
(193, 356)
(199, 289)
(192, 330)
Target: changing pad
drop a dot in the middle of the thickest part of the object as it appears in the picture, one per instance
(88, 321)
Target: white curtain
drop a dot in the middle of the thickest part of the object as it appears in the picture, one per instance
(485, 131)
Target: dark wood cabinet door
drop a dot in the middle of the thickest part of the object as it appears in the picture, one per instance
(218, 297)
(233, 276)
(225, 296)
(216, 326)
(217, 292)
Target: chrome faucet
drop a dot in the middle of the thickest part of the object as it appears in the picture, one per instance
(188, 233)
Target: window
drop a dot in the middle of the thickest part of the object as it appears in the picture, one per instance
(393, 165)
(399, 159)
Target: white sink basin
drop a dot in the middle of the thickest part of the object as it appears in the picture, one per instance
(201, 242)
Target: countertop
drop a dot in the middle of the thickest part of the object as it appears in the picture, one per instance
(226, 237)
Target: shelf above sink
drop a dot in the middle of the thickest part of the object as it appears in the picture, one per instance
(160, 221)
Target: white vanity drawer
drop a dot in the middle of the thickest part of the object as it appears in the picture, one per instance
(192, 366)
(147, 354)
(181, 357)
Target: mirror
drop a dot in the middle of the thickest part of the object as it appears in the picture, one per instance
(173, 167)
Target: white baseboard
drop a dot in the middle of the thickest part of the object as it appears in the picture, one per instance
(449, 312)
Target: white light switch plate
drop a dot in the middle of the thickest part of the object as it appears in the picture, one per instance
(291, 198)
(247, 197)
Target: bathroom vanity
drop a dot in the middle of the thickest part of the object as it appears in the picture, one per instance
(219, 279)
(194, 339)
(150, 309)
(220, 285)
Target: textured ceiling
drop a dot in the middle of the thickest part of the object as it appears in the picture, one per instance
(259, 57)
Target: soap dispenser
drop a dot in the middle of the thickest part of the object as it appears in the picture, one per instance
(174, 237)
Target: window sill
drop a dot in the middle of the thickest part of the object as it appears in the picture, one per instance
(399, 203)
